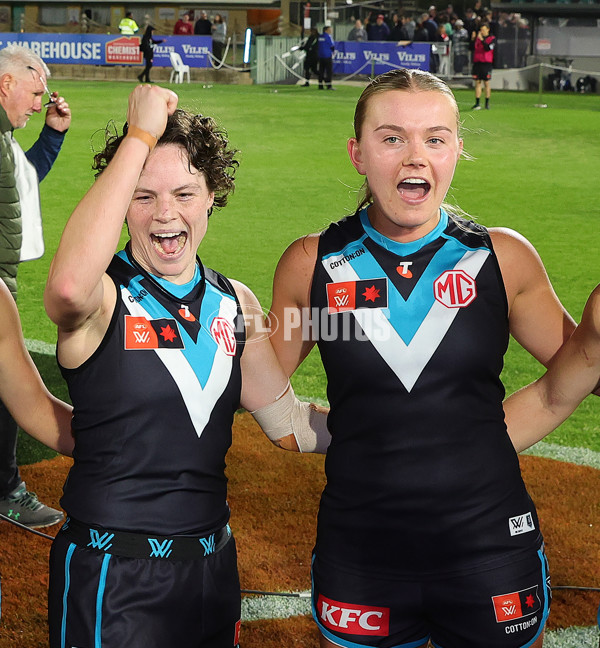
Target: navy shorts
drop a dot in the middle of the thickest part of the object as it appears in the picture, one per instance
(503, 607)
(98, 599)
(482, 71)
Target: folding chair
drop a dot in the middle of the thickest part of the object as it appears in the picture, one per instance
(179, 68)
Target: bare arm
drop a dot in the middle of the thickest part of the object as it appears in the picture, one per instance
(34, 408)
(266, 387)
(538, 321)
(291, 303)
(75, 288)
(574, 372)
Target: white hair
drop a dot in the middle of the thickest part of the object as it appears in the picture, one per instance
(14, 58)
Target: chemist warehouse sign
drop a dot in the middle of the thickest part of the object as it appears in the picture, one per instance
(100, 49)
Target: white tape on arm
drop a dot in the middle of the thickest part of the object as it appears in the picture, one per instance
(288, 415)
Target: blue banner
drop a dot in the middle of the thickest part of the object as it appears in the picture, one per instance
(351, 57)
(111, 49)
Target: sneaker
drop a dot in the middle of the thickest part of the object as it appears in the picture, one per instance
(476, 107)
(23, 506)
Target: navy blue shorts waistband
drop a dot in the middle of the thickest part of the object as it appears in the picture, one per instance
(142, 545)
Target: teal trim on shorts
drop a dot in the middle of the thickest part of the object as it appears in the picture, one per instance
(63, 629)
(99, 598)
(546, 612)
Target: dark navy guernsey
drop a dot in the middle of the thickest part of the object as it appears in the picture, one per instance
(154, 405)
(422, 478)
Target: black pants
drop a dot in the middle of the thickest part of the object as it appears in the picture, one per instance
(218, 47)
(145, 75)
(9, 472)
(325, 71)
(310, 66)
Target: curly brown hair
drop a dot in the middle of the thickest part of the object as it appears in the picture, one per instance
(207, 149)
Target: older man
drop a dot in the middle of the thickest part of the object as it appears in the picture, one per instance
(23, 91)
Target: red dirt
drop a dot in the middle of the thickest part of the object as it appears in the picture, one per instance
(274, 497)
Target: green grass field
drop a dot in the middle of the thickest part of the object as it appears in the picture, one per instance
(535, 170)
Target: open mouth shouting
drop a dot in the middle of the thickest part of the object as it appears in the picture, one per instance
(414, 189)
(169, 244)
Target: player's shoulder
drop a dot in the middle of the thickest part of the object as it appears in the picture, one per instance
(302, 252)
(508, 241)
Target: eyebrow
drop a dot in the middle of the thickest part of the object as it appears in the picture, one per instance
(184, 187)
(401, 129)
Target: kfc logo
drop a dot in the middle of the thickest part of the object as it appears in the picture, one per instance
(353, 619)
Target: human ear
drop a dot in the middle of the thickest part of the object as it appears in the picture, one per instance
(355, 155)
(6, 83)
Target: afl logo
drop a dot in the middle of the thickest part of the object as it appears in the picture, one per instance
(455, 289)
(223, 334)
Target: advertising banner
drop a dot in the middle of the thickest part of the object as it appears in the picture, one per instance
(111, 49)
(351, 57)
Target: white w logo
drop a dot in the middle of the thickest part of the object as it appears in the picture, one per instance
(98, 541)
(160, 549)
(509, 610)
(141, 338)
(208, 544)
(342, 301)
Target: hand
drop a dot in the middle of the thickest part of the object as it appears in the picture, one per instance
(58, 115)
(149, 107)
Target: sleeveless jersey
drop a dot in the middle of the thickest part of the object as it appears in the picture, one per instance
(154, 405)
(422, 478)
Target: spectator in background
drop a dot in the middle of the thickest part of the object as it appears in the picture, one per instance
(410, 25)
(147, 49)
(23, 84)
(183, 27)
(441, 54)
(460, 47)
(421, 34)
(378, 31)
(430, 25)
(311, 60)
(470, 23)
(479, 9)
(128, 26)
(358, 32)
(483, 59)
(326, 49)
(395, 25)
(444, 19)
(203, 26)
(219, 36)
(399, 32)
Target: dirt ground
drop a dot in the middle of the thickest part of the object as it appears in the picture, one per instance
(274, 497)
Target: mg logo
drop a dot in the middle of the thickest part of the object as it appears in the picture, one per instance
(223, 334)
(454, 289)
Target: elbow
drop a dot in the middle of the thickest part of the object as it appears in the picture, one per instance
(62, 299)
